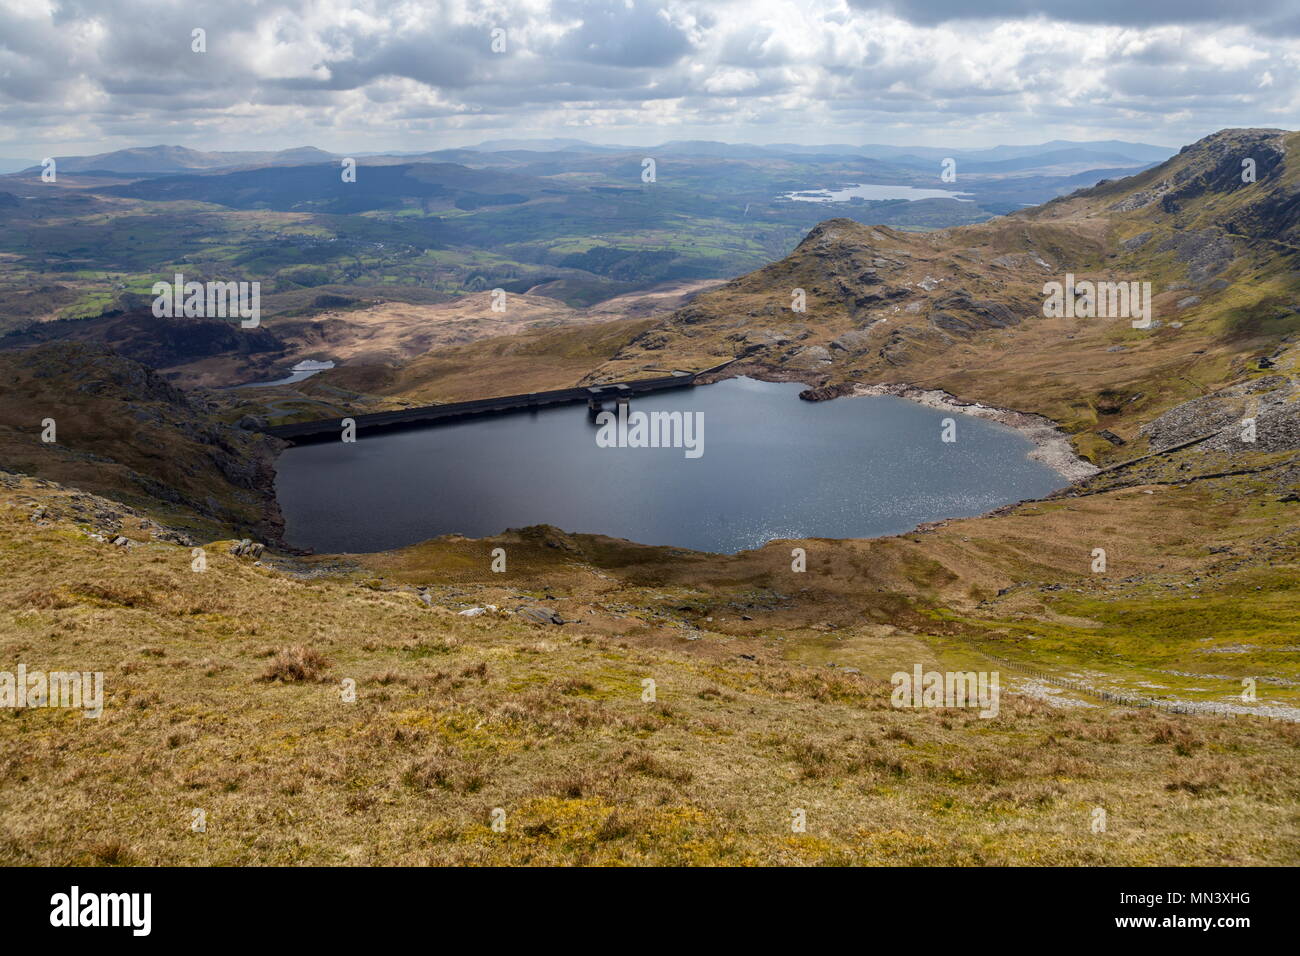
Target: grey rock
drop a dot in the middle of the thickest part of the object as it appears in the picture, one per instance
(811, 355)
(247, 548)
(1207, 252)
(539, 615)
(853, 341)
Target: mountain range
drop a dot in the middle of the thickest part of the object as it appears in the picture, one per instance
(175, 159)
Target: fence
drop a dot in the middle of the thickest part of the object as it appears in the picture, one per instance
(1127, 700)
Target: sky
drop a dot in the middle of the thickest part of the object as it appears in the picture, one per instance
(352, 76)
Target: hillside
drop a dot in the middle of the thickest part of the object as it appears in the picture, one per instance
(213, 703)
(961, 310)
(121, 430)
(423, 227)
(223, 687)
(178, 159)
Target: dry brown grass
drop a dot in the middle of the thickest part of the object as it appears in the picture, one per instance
(297, 663)
(457, 717)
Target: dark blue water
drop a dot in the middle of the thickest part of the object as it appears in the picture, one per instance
(773, 467)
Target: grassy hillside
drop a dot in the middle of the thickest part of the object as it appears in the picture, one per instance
(224, 686)
(224, 694)
(961, 309)
(120, 429)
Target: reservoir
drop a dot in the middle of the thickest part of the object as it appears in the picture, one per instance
(872, 191)
(296, 374)
(769, 466)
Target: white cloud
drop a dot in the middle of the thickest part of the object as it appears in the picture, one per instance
(395, 74)
(727, 81)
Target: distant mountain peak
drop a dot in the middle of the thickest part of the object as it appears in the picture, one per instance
(164, 159)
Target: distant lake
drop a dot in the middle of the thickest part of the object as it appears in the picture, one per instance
(296, 374)
(870, 191)
(773, 467)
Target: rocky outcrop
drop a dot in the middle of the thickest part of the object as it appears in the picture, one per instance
(958, 313)
(123, 430)
(1268, 402)
(824, 393)
(539, 615)
(855, 340)
(247, 548)
(1207, 252)
(810, 356)
(157, 342)
(102, 517)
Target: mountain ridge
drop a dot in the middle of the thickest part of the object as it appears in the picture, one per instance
(525, 689)
(163, 159)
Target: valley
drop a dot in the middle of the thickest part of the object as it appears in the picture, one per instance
(524, 688)
(421, 229)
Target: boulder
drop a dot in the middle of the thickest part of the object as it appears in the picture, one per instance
(539, 615)
(247, 548)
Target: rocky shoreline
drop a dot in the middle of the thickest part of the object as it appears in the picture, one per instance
(1051, 445)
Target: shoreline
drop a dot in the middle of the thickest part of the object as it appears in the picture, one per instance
(1051, 445)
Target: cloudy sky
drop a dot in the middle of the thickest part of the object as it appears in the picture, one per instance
(80, 76)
